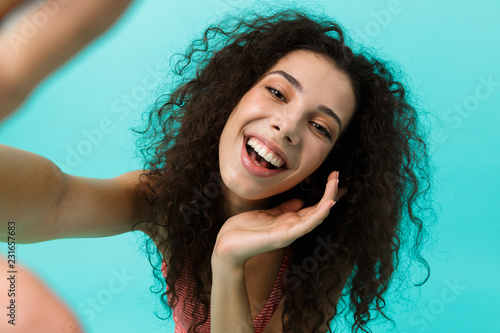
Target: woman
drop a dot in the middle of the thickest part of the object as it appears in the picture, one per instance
(233, 192)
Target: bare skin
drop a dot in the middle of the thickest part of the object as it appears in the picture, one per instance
(57, 205)
(6, 6)
(26, 60)
(37, 308)
(261, 232)
(24, 175)
(289, 115)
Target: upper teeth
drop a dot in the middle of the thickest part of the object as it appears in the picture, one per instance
(265, 152)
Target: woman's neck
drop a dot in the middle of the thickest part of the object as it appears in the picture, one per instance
(235, 205)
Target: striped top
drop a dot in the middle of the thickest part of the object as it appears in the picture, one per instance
(182, 312)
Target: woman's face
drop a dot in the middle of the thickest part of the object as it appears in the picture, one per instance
(292, 116)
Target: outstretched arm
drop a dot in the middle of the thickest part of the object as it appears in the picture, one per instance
(48, 204)
(6, 6)
(26, 59)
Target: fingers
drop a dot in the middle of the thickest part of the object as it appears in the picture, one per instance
(339, 192)
(312, 216)
(292, 205)
(331, 189)
(333, 175)
(330, 195)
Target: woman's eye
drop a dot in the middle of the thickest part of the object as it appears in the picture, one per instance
(321, 129)
(276, 93)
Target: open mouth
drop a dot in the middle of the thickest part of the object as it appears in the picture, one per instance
(259, 160)
(262, 155)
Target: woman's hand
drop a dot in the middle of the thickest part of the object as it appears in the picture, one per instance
(26, 60)
(251, 233)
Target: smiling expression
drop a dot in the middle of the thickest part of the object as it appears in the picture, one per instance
(292, 116)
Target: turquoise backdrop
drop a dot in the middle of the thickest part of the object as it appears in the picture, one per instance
(81, 116)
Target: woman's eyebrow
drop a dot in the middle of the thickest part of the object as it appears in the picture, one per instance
(293, 81)
(296, 84)
(329, 112)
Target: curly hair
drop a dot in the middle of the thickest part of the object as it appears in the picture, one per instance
(382, 159)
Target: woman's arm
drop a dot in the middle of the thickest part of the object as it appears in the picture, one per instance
(230, 301)
(251, 233)
(6, 6)
(25, 59)
(38, 308)
(230, 307)
(49, 204)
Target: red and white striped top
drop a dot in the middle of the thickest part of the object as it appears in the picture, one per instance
(182, 312)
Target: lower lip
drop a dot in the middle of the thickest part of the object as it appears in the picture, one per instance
(253, 168)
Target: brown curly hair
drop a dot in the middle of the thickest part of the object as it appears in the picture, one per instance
(382, 159)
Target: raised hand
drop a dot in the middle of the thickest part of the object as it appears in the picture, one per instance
(251, 233)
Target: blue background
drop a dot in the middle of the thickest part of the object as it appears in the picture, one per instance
(449, 51)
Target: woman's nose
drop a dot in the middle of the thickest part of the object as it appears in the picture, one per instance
(286, 129)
